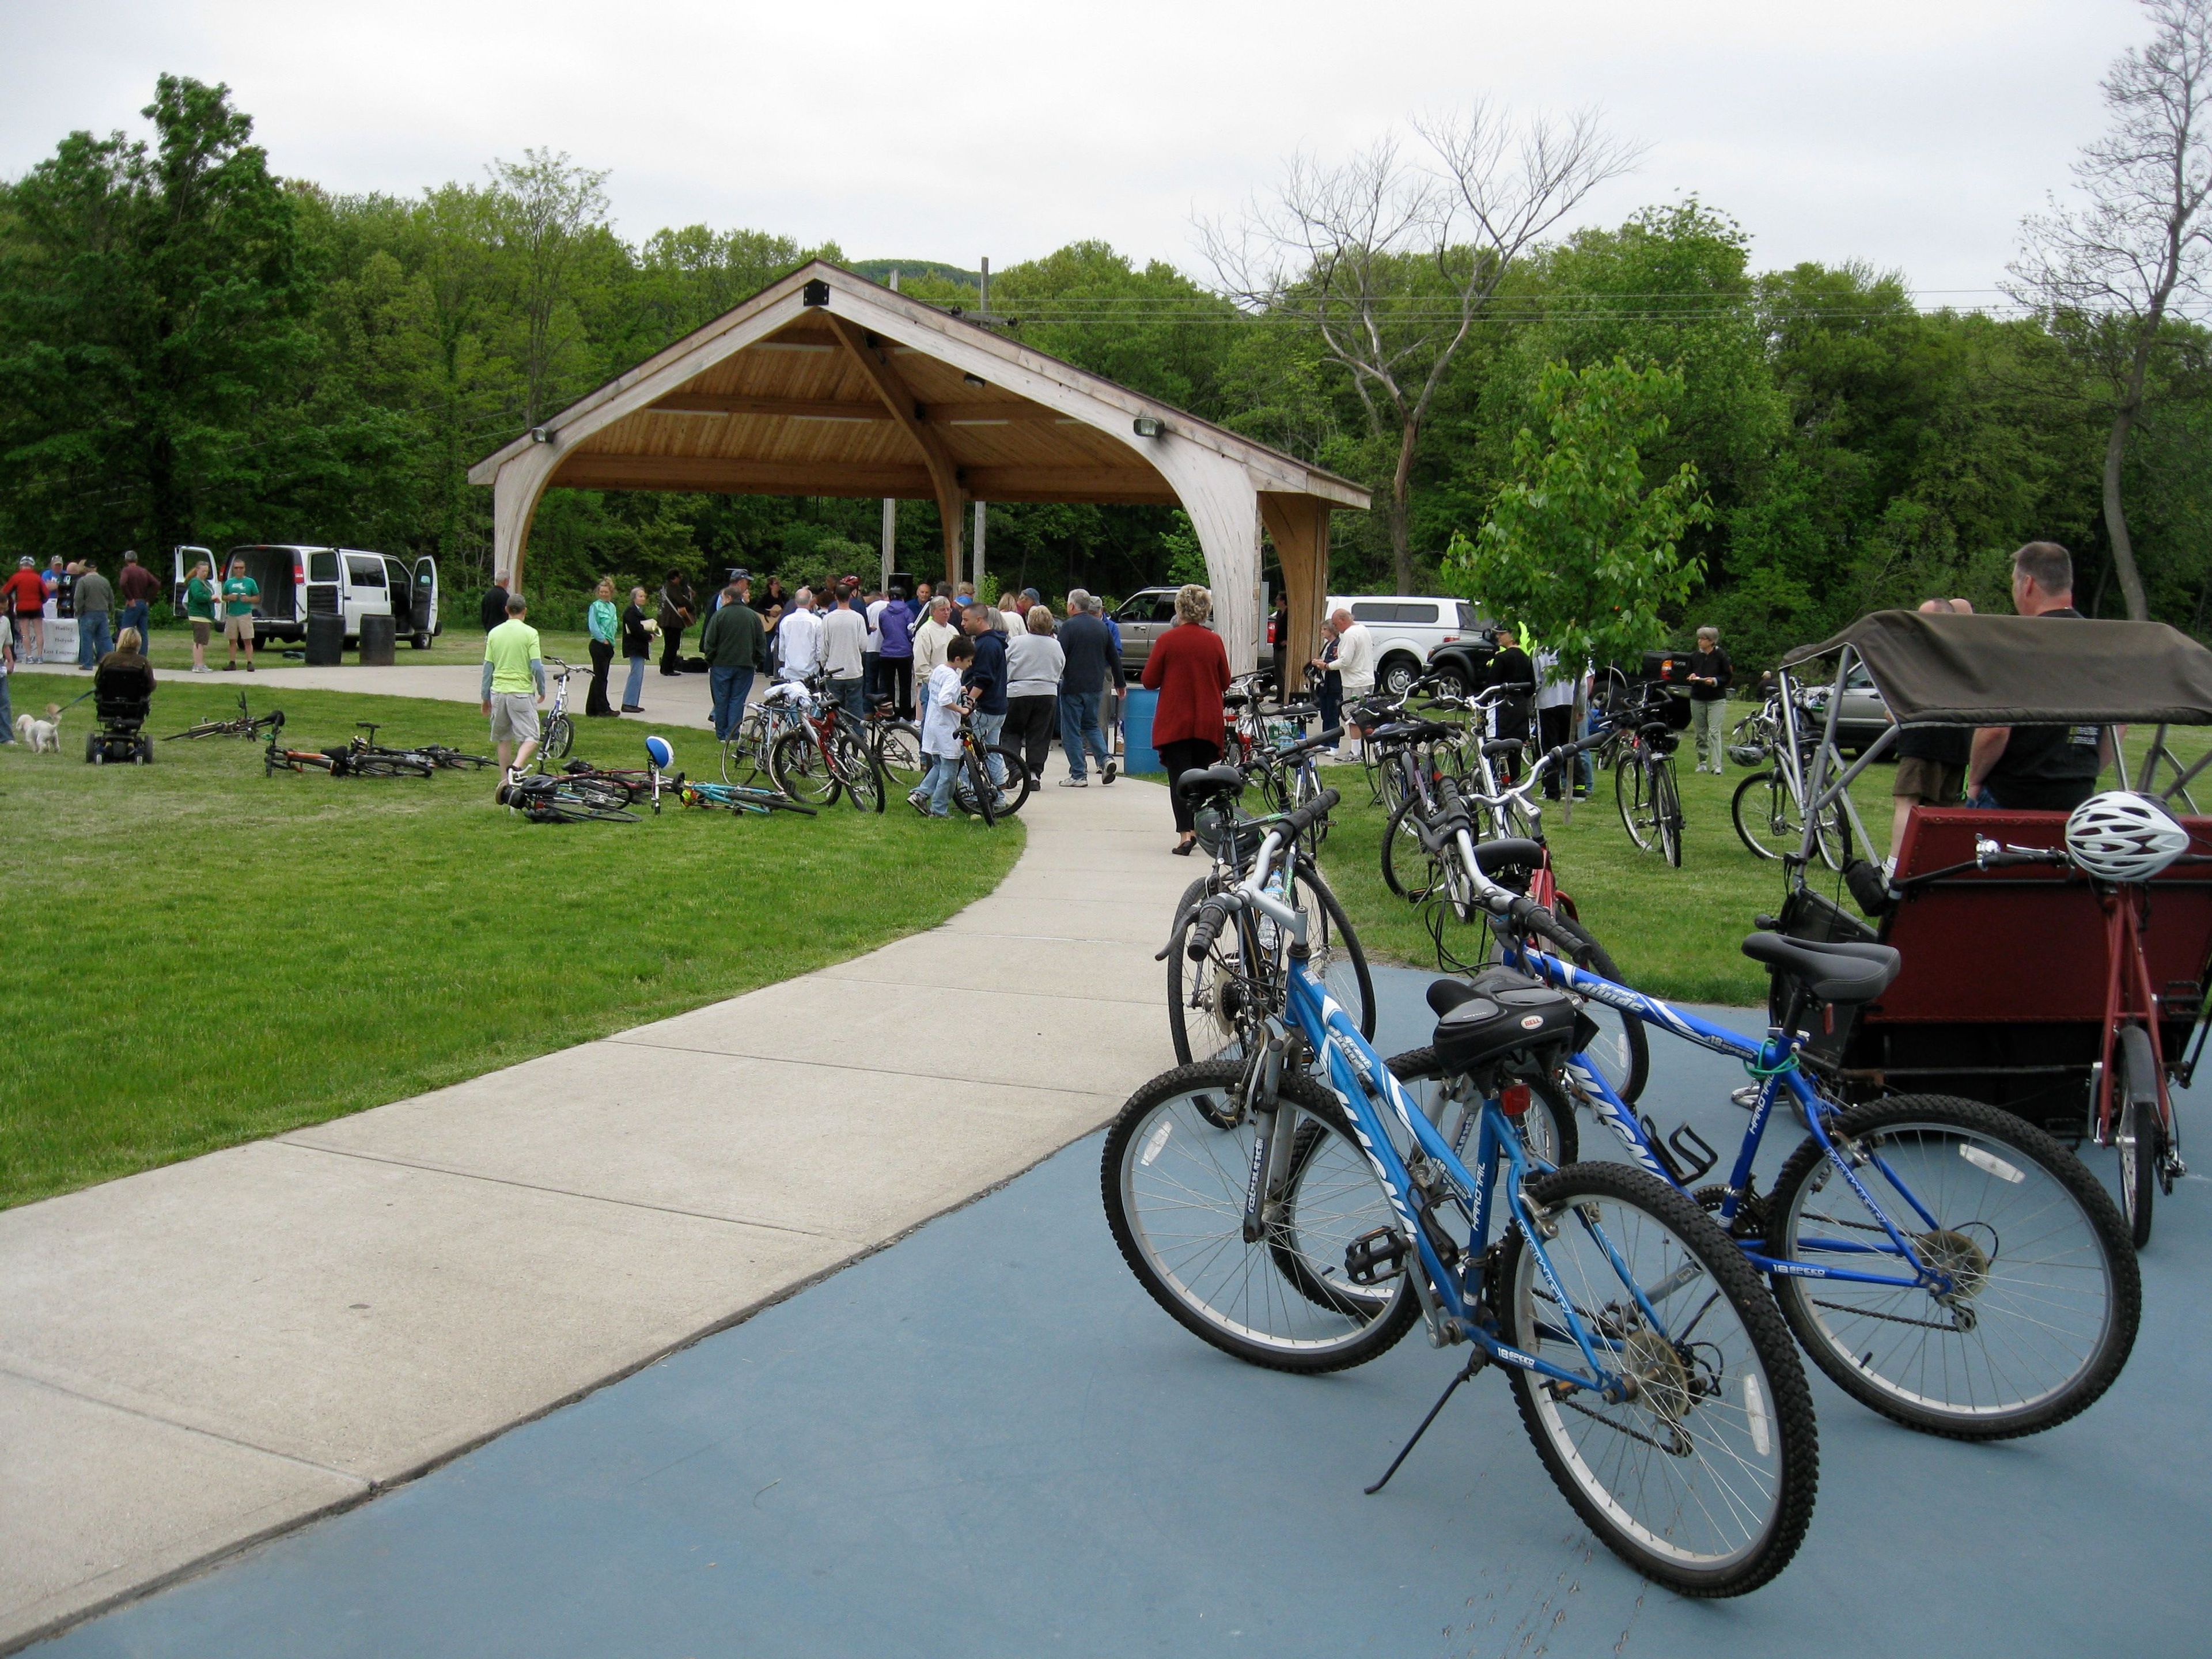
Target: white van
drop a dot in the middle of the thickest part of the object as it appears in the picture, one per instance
(1406, 628)
(297, 582)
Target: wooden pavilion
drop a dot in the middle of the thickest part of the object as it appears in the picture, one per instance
(827, 384)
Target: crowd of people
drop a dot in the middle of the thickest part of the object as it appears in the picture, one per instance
(79, 593)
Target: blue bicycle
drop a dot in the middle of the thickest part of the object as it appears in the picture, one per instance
(1306, 1228)
(1944, 1262)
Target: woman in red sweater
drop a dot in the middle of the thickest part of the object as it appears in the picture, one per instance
(1189, 668)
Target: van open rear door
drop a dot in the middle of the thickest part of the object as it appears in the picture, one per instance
(181, 576)
(427, 625)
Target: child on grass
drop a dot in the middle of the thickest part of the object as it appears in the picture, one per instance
(942, 703)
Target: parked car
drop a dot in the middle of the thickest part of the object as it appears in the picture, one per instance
(1864, 716)
(1408, 631)
(298, 581)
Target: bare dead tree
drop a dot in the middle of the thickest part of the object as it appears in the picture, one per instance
(2137, 250)
(1391, 261)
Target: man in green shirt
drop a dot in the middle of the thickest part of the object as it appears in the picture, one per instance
(239, 591)
(513, 686)
(735, 645)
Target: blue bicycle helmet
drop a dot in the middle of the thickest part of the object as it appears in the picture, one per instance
(657, 751)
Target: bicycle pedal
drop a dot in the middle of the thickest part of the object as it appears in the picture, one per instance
(1373, 1257)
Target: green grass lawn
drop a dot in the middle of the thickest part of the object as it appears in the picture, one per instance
(198, 956)
(1675, 932)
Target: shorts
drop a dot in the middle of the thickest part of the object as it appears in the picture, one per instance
(238, 630)
(201, 629)
(1928, 783)
(514, 717)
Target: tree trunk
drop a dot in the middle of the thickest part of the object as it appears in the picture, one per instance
(1401, 480)
(2116, 516)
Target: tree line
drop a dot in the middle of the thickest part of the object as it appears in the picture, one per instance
(193, 349)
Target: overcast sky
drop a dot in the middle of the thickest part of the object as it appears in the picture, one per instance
(1912, 134)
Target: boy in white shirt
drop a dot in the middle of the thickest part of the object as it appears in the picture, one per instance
(943, 704)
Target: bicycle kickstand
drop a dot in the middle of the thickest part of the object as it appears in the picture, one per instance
(1476, 1359)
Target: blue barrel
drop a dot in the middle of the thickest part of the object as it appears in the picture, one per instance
(1138, 753)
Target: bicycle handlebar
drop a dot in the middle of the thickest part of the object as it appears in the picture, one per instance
(1211, 915)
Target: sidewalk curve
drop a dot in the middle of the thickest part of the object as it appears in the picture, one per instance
(203, 1355)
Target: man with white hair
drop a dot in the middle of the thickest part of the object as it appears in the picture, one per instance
(1088, 649)
(799, 636)
(1355, 667)
(931, 639)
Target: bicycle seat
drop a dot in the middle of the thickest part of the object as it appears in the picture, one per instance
(1296, 711)
(1511, 853)
(1493, 747)
(1844, 974)
(1213, 781)
(1446, 994)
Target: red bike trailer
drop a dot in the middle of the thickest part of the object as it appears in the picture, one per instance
(2008, 973)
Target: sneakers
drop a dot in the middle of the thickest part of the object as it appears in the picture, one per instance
(920, 802)
(1075, 783)
(230, 667)
(1109, 773)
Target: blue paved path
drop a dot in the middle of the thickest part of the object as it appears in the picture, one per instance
(987, 1440)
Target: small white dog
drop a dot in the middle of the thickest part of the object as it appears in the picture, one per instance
(42, 735)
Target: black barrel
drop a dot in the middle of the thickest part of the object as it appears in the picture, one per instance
(325, 641)
(377, 638)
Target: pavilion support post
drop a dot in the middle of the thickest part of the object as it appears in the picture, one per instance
(515, 495)
(978, 577)
(1299, 526)
(1223, 503)
(890, 531)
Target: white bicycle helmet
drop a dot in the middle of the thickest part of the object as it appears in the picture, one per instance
(2120, 835)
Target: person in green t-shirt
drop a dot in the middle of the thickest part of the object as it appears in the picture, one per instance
(239, 591)
(513, 686)
(199, 610)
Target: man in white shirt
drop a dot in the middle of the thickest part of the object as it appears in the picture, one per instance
(873, 656)
(1555, 711)
(930, 640)
(1355, 667)
(799, 636)
(844, 643)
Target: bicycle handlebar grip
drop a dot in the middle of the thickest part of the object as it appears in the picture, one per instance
(1312, 812)
(1211, 915)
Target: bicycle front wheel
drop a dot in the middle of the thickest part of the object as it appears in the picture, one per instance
(801, 770)
(559, 734)
(1703, 1477)
(1632, 793)
(2135, 1086)
(2043, 1292)
(1174, 1181)
(1767, 817)
(1667, 811)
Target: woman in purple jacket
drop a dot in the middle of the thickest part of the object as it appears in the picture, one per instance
(897, 624)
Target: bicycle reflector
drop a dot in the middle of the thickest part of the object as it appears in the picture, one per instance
(657, 751)
(2120, 835)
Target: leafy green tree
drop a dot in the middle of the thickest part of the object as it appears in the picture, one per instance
(152, 306)
(1576, 548)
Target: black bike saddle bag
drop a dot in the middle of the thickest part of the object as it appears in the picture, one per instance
(1511, 1021)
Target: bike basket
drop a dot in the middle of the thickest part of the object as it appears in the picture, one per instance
(1489, 1028)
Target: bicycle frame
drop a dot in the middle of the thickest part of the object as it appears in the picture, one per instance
(2129, 996)
(1774, 1062)
(1447, 1297)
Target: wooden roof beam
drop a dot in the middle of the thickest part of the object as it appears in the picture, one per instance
(842, 409)
(944, 475)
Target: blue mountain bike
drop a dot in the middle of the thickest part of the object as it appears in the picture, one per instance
(1944, 1262)
(1306, 1228)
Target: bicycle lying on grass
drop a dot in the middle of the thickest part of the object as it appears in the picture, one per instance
(738, 799)
(354, 759)
(552, 797)
(1307, 1228)
(247, 725)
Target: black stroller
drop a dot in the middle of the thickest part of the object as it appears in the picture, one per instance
(122, 696)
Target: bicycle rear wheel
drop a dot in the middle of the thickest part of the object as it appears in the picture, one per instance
(1703, 1478)
(855, 761)
(1547, 1127)
(388, 766)
(1766, 816)
(1007, 794)
(1174, 1183)
(898, 751)
(2045, 1294)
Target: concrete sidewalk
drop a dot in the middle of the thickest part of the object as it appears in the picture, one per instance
(209, 1353)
